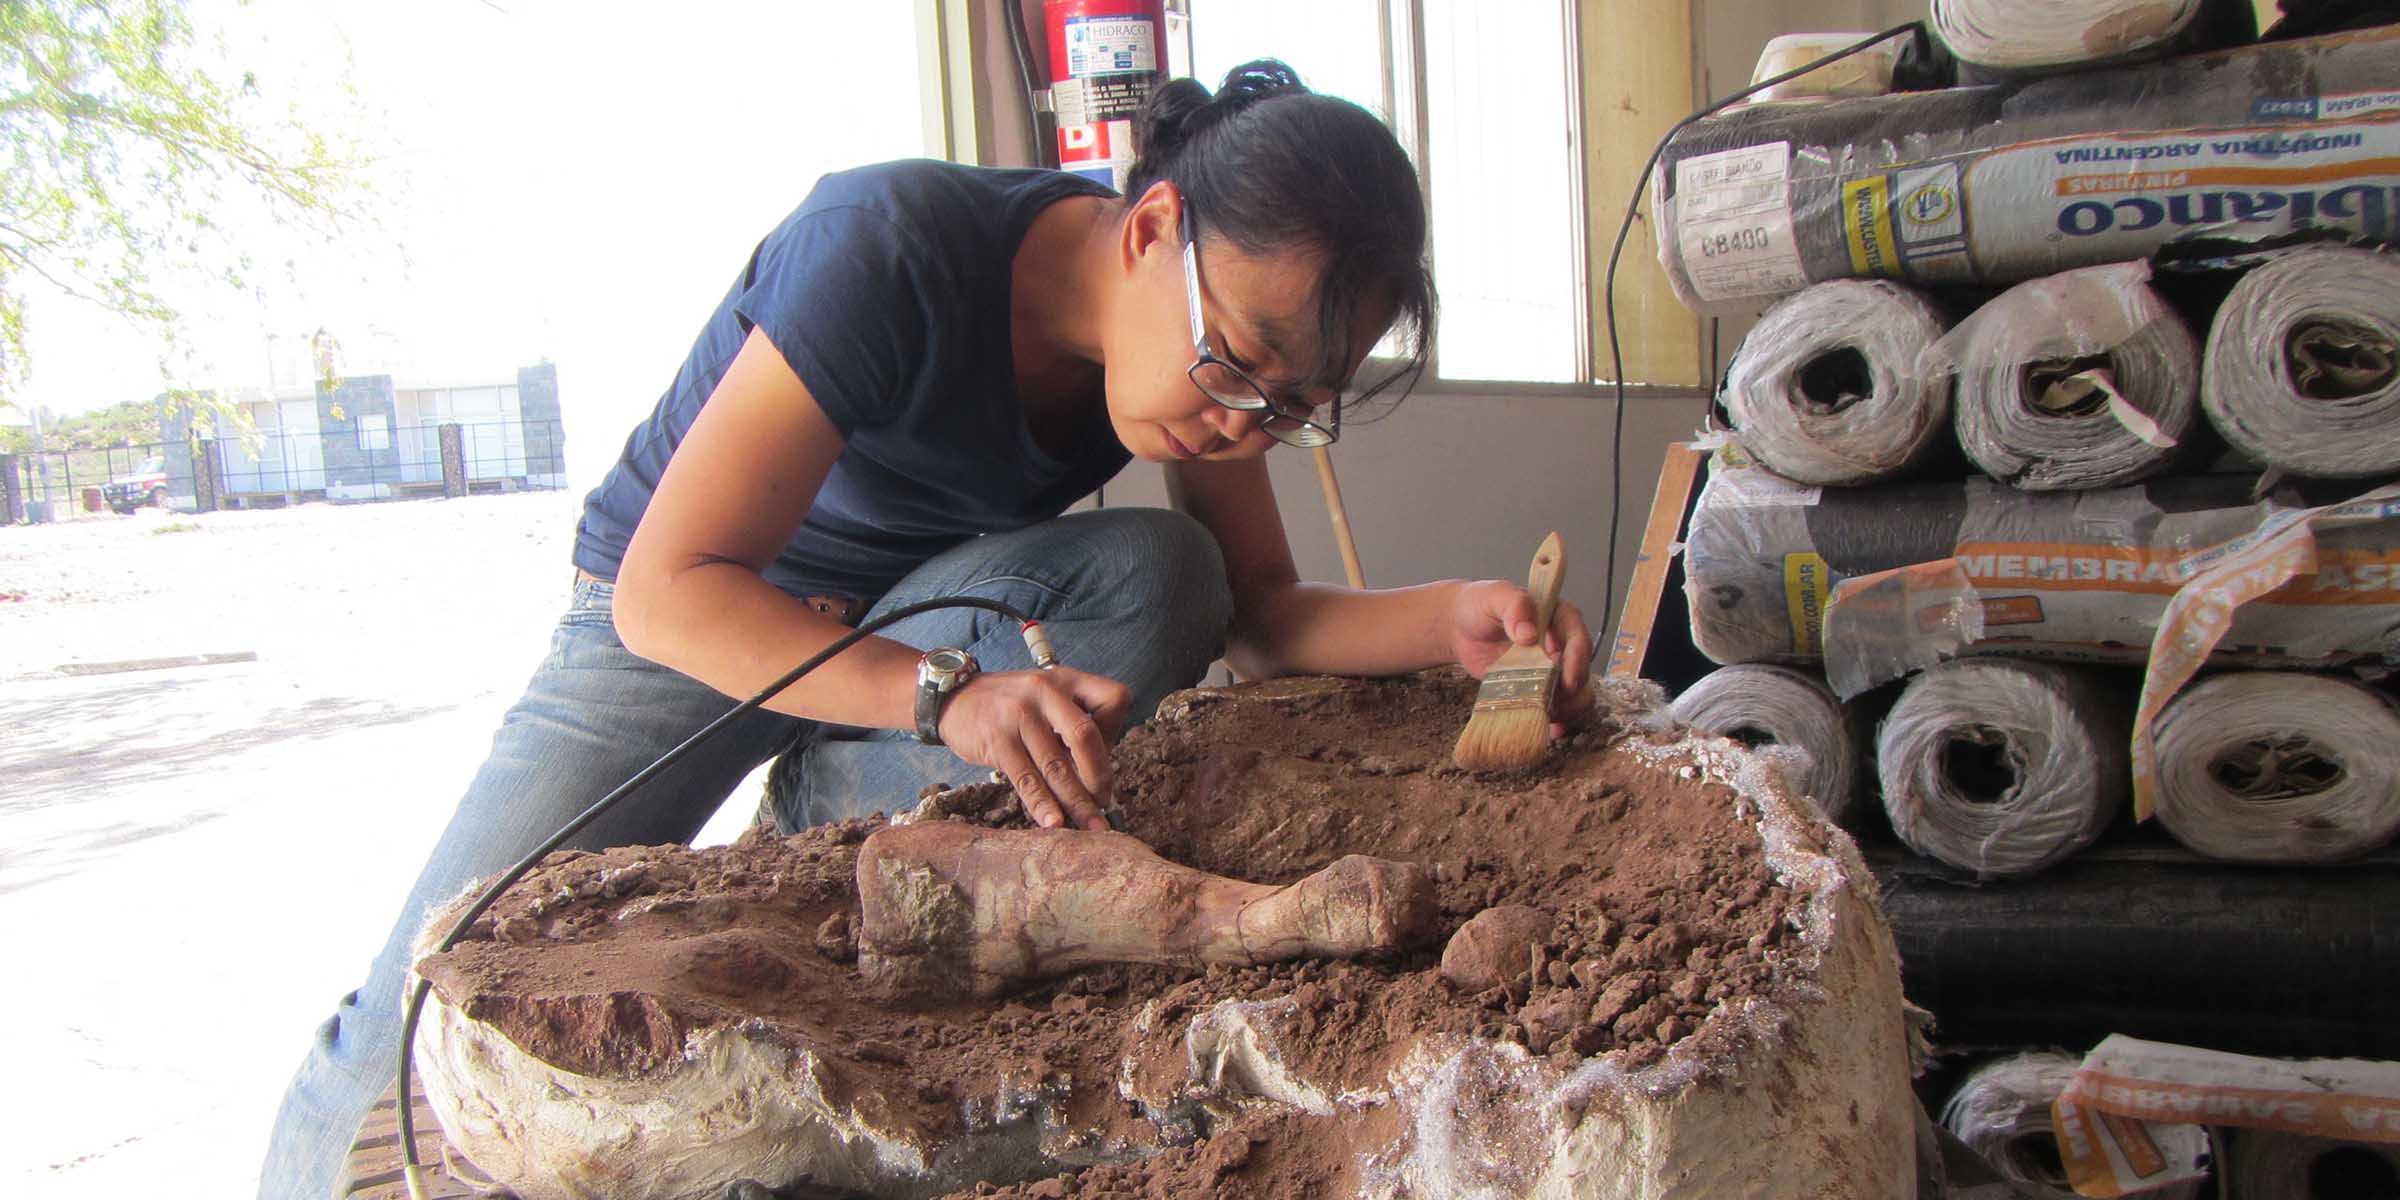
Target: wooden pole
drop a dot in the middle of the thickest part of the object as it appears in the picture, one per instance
(1341, 518)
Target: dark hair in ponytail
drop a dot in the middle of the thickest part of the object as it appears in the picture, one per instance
(1272, 167)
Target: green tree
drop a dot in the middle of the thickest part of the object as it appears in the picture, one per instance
(125, 156)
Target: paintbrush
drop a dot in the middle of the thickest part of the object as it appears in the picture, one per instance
(1510, 727)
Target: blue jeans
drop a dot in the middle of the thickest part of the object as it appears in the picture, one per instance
(1135, 594)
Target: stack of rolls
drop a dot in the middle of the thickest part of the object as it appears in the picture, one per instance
(2086, 379)
(2194, 158)
(2001, 1110)
(2303, 368)
(1762, 705)
(1832, 387)
(2002, 767)
(2280, 767)
(2010, 330)
(2011, 37)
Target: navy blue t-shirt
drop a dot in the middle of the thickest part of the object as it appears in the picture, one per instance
(887, 291)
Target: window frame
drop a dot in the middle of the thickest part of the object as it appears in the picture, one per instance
(966, 122)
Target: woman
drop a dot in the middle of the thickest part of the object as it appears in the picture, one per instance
(916, 373)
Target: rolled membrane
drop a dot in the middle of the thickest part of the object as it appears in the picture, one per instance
(1761, 705)
(2303, 369)
(2001, 1111)
(2038, 35)
(2265, 1165)
(2275, 767)
(1832, 385)
(2001, 767)
(2082, 380)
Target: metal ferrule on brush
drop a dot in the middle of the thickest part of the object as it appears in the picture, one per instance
(1516, 687)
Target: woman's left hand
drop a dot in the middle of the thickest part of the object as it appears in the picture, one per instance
(1492, 615)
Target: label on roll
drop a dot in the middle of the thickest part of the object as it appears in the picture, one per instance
(1733, 217)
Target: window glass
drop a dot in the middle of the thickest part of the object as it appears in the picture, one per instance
(1504, 210)
(1503, 207)
(1333, 44)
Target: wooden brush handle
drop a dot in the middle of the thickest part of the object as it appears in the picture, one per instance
(1549, 572)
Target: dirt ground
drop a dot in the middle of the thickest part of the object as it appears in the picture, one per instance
(155, 824)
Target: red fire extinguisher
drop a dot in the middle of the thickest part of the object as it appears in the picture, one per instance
(1106, 56)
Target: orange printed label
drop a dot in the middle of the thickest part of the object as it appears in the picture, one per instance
(2133, 1141)
(2157, 181)
(2350, 575)
(2324, 1114)
(2012, 610)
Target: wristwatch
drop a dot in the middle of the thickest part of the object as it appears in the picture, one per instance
(939, 673)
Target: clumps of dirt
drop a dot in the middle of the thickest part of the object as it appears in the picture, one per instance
(603, 963)
(1661, 910)
(1661, 902)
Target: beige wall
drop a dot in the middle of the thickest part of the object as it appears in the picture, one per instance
(1465, 486)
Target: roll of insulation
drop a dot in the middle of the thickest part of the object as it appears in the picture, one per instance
(2264, 1165)
(1763, 558)
(1761, 705)
(2232, 153)
(2081, 380)
(2043, 35)
(2277, 767)
(2002, 767)
(1833, 386)
(2001, 1111)
(1868, 73)
(2303, 367)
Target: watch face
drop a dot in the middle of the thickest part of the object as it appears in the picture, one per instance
(946, 661)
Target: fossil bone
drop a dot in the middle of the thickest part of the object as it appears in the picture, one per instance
(948, 908)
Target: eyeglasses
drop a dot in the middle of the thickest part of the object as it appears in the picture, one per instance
(1232, 387)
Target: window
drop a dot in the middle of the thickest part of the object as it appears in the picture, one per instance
(374, 431)
(1496, 144)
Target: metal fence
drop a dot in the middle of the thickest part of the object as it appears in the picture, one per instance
(280, 466)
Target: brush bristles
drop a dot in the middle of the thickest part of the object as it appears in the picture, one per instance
(1510, 727)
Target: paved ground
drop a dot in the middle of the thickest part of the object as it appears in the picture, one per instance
(161, 830)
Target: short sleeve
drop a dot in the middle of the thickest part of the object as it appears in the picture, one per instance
(839, 293)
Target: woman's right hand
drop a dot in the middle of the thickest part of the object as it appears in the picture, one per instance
(1049, 733)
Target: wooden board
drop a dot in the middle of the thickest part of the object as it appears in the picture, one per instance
(373, 1172)
(1678, 479)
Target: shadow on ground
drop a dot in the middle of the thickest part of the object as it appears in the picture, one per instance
(68, 763)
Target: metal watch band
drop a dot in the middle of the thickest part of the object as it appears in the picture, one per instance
(939, 673)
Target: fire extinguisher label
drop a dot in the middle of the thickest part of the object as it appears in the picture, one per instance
(1102, 151)
(1102, 141)
(1084, 101)
(1108, 45)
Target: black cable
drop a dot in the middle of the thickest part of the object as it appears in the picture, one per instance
(508, 878)
(1020, 47)
(1608, 299)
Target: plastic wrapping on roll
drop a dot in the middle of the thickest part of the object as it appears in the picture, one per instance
(2229, 152)
(2081, 380)
(2083, 575)
(1832, 385)
(1759, 704)
(2303, 368)
(2002, 1111)
(2264, 1165)
(1867, 73)
(2045, 35)
(2276, 767)
(2001, 767)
